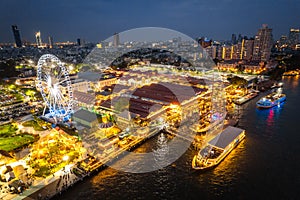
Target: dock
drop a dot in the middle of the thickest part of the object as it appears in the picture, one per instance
(245, 98)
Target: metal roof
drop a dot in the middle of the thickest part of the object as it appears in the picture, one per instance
(85, 115)
(223, 139)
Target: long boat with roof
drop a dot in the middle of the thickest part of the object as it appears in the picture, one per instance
(218, 148)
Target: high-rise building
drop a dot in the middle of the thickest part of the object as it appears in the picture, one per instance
(237, 50)
(263, 44)
(50, 42)
(227, 52)
(78, 42)
(211, 51)
(116, 40)
(294, 37)
(233, 39)
(240, 38)
(283, 41)
(248, 49)
(17, 37)
(38, 39)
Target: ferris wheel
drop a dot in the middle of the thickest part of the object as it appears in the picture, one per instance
(54, 84)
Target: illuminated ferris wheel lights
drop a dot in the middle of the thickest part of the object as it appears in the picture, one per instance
(52, 76)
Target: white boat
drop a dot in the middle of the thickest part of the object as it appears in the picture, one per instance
(271, 100)
(218, 148)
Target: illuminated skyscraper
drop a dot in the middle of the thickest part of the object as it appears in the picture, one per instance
(248, 49)
(263, 43)
(17, 37)
(50, 42)
(227, 52)
(38, 39)
(116, 40)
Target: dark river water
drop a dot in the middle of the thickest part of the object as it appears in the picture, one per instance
(266, 165)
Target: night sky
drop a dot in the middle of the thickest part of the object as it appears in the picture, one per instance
(95, 20)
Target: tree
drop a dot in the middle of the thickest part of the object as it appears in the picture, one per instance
(238, 81)
(240, 68)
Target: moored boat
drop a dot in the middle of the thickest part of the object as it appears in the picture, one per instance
(271, 100)
(218, 148)
(292, 73)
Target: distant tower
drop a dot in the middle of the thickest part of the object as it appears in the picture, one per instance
(17, 36)
(50, 42)
(38, 39)
(233, 39)
(263, 44)
(240, 38)
(78, 41)
(116, 40)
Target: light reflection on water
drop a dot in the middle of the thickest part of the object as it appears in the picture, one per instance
(293, 81)
(271, 115)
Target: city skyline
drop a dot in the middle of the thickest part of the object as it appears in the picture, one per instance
(94, 21)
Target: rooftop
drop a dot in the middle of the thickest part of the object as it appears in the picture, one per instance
(226, 137)
(85, 115)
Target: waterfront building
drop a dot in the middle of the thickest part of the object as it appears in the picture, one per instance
(17, 37)
(252, 67)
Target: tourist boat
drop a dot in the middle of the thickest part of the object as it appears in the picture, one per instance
(273, 99)
(291, 73)
(218, 148)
